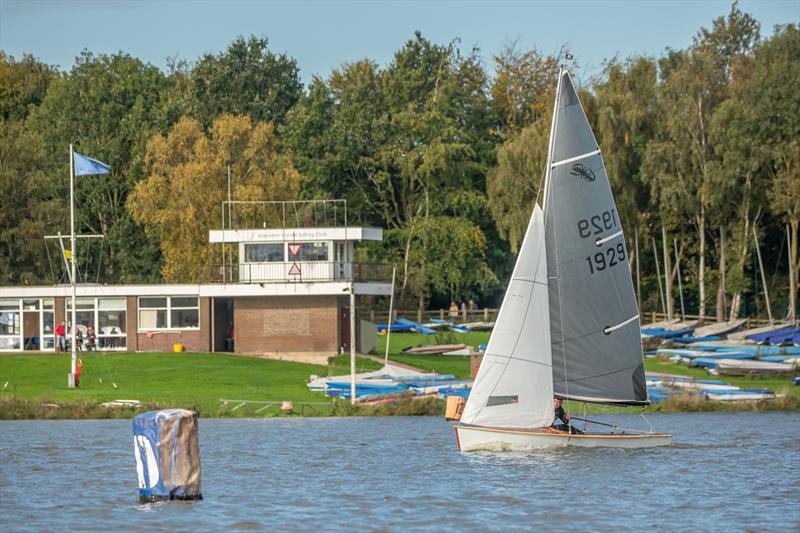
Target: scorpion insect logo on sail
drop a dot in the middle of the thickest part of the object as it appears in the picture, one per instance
(583, 172)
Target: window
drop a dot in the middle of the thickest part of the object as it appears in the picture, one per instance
(264, 253)
(311, 251)
(10, 325)
(169, 312)
(111, 313)
(84, 315)
(105, 315)
(27, 322)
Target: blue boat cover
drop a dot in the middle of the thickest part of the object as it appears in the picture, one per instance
(419, 328)
(393, 327)
(167, 455)
(464, 393)
(667, 334)
(789, 334)
(777, 358)
(345, 393)
(345, 385)
(688, 340)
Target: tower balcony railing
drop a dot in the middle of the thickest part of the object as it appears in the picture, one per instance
(298, 272)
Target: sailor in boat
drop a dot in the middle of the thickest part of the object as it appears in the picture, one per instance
(562, 415)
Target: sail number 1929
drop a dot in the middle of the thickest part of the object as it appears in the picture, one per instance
(606, 258)
(597, 224)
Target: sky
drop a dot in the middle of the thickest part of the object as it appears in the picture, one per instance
(323, 35)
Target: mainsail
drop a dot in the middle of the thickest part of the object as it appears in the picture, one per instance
(594, 319)
(514, 386)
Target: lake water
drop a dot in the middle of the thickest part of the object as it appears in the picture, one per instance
(725, 471)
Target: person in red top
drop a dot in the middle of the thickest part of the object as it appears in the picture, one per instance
(61, 337)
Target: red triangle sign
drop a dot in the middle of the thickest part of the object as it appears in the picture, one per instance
(294, 248)
(295, 270)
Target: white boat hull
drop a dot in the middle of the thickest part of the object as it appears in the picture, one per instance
(477, 438)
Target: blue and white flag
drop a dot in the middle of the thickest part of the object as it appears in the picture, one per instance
(86, 165)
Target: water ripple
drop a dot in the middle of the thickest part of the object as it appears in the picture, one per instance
(401, 474)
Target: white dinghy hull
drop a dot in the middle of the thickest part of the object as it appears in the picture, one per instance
(474, 438)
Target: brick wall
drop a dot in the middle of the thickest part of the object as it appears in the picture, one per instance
(163, 341)
(286, 324)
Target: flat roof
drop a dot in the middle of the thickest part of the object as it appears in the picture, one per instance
(203, 290)
(348, 233)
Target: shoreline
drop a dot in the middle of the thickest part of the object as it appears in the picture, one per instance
(50, 409)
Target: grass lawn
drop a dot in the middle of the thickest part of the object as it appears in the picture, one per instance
(195, 380)
(200, 380)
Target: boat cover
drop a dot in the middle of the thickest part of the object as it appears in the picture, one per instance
(789, 334)
(165, 445)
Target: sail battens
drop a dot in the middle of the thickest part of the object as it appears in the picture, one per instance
(604, 240)
(605, 401)
(517, 358)
(533, 281)
(573, 159)
(609, 329)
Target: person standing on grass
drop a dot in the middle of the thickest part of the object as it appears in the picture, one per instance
(61, 337)
(453, 309)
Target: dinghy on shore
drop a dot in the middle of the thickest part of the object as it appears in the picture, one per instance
(744, 334)
(719, 328)
(569, 325)
(734, 367)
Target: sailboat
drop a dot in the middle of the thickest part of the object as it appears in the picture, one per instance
(568, 326)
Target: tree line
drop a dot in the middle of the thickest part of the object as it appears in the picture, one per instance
(702, 147)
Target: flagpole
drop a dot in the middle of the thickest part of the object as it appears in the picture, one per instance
(71, 381)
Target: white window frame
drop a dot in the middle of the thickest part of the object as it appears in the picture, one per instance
(96, 320)
(168, 309)
(21, 336)
(243, 253)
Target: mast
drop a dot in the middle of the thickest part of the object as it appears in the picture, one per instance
(680, 283)
(638, 274)
(792, 276)
(550, 143)
(667, 274)
(389, 322)
(352, 343)
(73, 366)
(658, 276)
(763, 277)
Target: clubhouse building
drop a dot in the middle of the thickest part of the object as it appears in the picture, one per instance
(284, 290)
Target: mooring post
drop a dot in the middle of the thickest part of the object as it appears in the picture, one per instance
(167, 455)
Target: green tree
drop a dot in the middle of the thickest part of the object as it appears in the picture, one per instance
(402, 144)
(522, 87)
(106, 106)
(681, 158)
(28, 212)
(774, 101)
(181, 199)
(515, 184)
(247, 78)
(23, 85)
